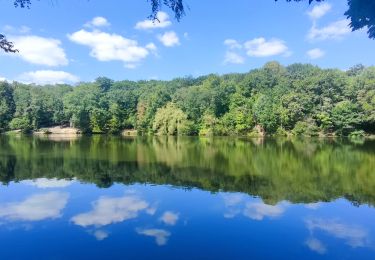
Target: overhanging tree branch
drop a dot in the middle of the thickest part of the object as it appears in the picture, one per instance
(6, 45)
(361, 14)
(22, 3)
(177, 6)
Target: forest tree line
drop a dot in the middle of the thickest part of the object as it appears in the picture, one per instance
(300, 99)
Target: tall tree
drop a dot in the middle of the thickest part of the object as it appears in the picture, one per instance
(7, 105)
(170, 120)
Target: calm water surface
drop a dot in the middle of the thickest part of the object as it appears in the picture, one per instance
(186, 198)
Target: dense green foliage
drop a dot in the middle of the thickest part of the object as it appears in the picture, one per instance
(299, 99)
(294, 169)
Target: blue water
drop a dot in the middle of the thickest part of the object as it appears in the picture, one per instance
(71, 218)
(144, 221)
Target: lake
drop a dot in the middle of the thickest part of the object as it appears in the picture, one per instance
(186, 198)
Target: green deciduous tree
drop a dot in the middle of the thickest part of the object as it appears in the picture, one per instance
(366, 97)
(170, 120)
(301, 99)
(7, 105)
(345, 117)
(265, 112)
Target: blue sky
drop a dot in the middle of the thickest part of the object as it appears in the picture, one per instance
(79, 40)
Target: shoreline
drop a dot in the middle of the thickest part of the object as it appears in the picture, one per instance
(70, 132)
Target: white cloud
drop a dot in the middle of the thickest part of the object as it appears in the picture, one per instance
(151, 46)
(232, 44)
(44, 77)
(131, 65)
(11, 29)
(152, 210)
(162, 21)
(170, 218)
(109, 47)
(260, 47)
(316, 245)
(39, 50)
(335, 30)
(98, 22)
(44, 183)
(169, 39)
(313, 206)
(3, 79)
(234, 58)
(24, 29)
(315, 53)
(259, 210)
(231, 200)
(354, 236)
(231, 212)
(111, 210)
(8, 28)
(232, 204)
(319, 11)
(161, 236)
(100, 235)
(36, 207)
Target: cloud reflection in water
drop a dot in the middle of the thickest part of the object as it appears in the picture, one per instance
(36, 207)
